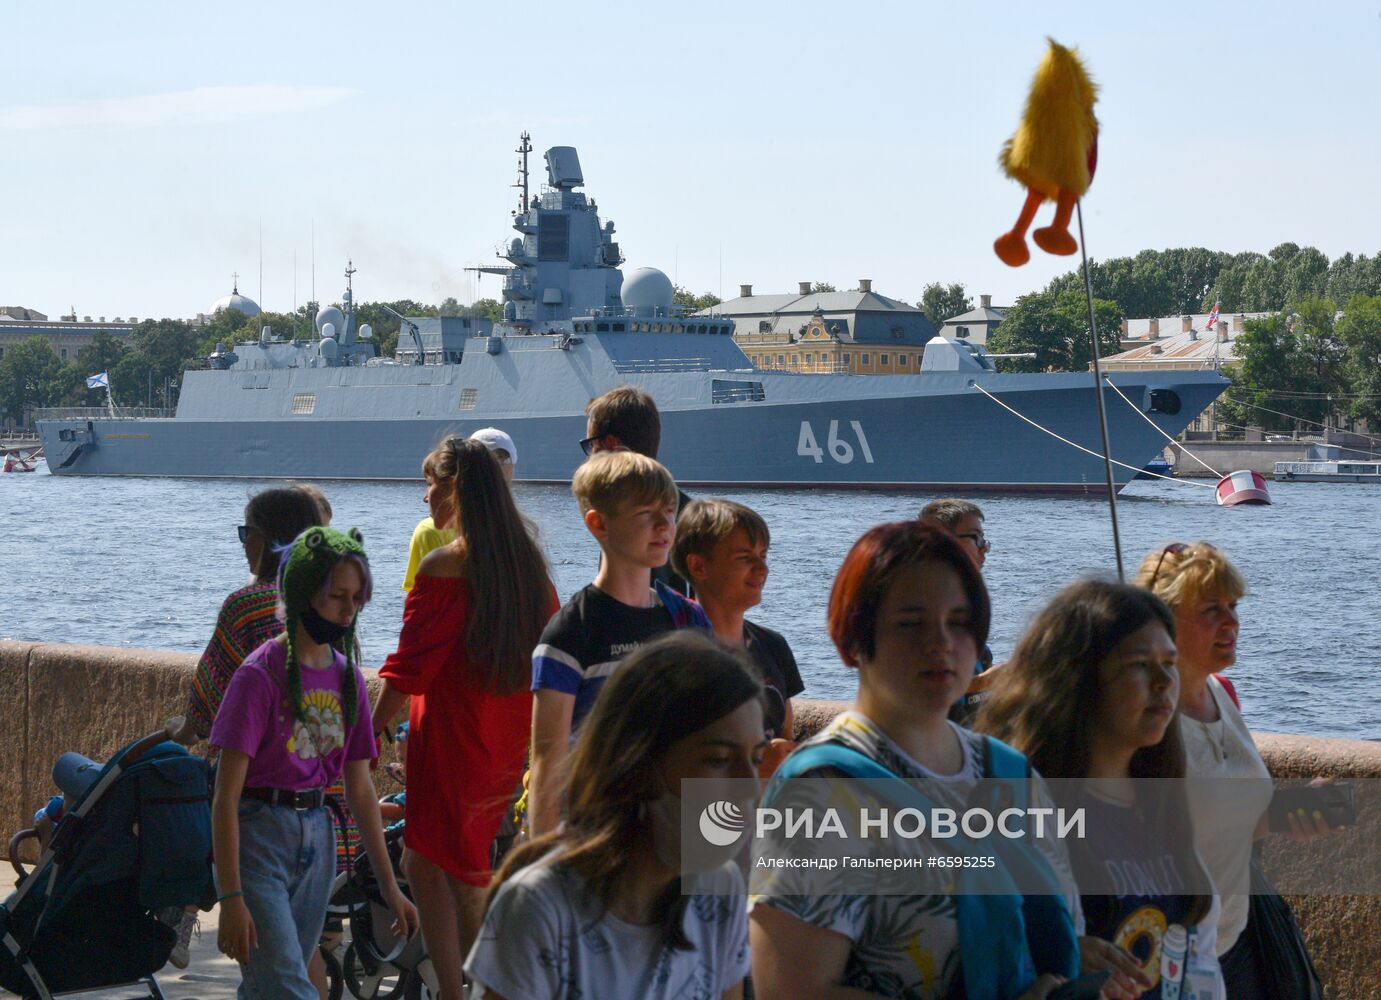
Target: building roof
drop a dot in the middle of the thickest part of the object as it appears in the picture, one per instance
(856, 316)
(983, 314)
(797, 305)
(1180, 348)
(1140, 329)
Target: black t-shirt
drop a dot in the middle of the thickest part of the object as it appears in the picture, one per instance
(585, 640)
(1147, 888)
(769, 650)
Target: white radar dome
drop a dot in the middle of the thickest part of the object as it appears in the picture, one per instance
(329, 348)
(647, 292)
(331, 315)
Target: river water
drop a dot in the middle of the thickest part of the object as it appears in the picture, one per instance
(146, 563)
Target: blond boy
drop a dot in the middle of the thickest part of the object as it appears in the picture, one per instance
(628, 502)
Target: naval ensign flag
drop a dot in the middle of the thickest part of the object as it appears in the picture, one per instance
(99, 381)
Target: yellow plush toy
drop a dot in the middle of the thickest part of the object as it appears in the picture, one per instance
(1053, 153)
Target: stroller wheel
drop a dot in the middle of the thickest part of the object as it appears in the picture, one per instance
(386, 983)
(335, 979)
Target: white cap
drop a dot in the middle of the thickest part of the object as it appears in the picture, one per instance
(495, 439)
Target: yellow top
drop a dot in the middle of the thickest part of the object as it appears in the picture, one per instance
(425, 537)
(1050, 150)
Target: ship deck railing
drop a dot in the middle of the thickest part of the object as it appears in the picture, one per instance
(102, 412)
(646, 365)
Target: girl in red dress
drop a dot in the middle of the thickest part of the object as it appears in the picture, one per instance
(470, 623)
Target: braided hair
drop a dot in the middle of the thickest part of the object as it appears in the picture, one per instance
(303, 572)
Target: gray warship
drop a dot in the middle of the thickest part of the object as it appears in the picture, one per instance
(574, 326)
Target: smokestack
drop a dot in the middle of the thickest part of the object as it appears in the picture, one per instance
(803, 287)
(1222, 331)
(986, 301)
(1186, 324)
(1237, 322)
(1155, 330)
(1124, 329)
(865, 284)
(745, 291)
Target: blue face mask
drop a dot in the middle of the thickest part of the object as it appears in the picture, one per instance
(321, 631)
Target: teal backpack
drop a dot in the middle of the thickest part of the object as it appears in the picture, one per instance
(1005, 939)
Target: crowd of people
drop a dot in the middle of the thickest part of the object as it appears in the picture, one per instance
(578, 722)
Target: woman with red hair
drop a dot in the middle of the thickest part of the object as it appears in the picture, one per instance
(909, 612)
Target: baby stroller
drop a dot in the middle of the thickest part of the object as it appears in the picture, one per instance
(379, 964)
(135, 840)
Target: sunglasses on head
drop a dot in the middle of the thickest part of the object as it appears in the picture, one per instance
(1174, 548)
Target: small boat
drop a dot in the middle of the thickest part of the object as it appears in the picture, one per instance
(15, 462)
(1328, 472)
(1155, 468)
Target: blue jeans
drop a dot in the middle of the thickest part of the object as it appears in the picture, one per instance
(287, 865)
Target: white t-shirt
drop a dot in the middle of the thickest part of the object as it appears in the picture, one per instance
(547, 936)
(1225, 813)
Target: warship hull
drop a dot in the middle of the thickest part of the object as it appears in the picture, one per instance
(931, 430)
(574, 327)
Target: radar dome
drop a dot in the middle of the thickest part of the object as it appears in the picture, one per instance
(332, 315)
(329, 348)
(647, 292)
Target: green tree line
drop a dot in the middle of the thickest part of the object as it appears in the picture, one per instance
(146, 367)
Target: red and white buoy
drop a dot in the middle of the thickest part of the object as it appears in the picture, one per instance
(1242, 487)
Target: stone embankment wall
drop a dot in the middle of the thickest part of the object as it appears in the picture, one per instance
(95, 699)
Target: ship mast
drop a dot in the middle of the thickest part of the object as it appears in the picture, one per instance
(524, 147)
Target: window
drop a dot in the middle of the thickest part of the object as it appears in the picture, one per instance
(304, 402)
(795, 360)
(468, 398)
(781, 359)
(64, 354)
(882, 359)
(618, 328)
(902, 360)
(846, 357)
(863, 358)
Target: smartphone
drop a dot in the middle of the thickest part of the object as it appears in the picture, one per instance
(1337, 803)
(1084, 988)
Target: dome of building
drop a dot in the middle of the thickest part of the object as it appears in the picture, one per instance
(647, 292)
(247, 306)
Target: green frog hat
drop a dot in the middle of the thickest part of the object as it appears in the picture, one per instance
(304, 571)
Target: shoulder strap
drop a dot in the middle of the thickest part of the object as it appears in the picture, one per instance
(1230, 689)
(1003, 761)
(1003, 935)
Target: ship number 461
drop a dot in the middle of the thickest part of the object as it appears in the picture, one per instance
(840, 450)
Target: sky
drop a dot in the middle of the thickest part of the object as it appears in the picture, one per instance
(144, 148)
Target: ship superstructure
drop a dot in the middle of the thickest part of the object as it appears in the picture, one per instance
(575, 326)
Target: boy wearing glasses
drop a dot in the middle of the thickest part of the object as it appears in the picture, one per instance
(965, 519)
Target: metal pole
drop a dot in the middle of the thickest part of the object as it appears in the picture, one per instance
(1098, 392)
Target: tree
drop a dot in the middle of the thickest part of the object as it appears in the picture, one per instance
(1055, 327)
(1293, 363)
(1349, 276)
(1360, 331)
(131, 381)
(822, 286)
(941, 302)
(30, 375)
(490, 309)
(692, 302)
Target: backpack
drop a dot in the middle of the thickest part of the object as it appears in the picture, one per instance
(1005, 940)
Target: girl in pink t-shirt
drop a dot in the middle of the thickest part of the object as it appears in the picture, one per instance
(294, 718)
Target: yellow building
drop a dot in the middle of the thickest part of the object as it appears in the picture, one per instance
(856, 331)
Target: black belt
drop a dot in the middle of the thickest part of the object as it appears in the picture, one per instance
(311, 798)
